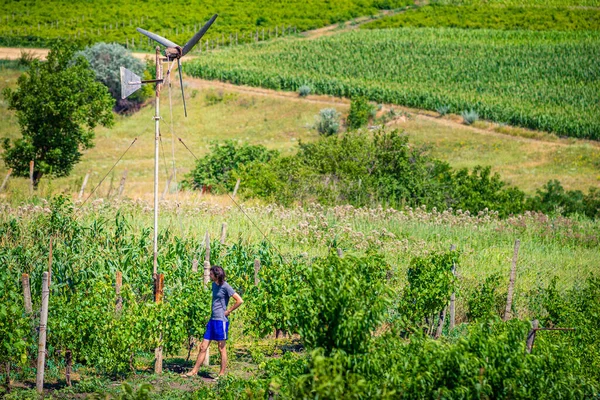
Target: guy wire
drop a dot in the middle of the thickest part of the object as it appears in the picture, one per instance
(243, 212)
(109, 171)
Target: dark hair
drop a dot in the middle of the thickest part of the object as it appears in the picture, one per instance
(219, 273)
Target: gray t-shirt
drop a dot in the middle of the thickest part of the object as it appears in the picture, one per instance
(220, 300)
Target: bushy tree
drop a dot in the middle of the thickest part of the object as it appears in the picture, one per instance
(106, 60)
(360, 113)
(58, 104)
(216, 169)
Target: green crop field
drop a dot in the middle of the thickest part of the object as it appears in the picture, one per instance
(38, 23)
(381, 251)
(493, 17)
(540, 80)
(536, 3)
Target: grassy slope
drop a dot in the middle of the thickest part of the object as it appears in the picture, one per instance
(279, 120)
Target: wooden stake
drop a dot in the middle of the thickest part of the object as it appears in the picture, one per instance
(83, 185)
(31, 176)
(453, 295)
(167, 187)
(194, 265)
(223, 232)
(511, 283)
(26, 293)
(340, 252)
(50, 263)
(235, 189)
(256, 270)
(39, 381)
(68, 364)
(207, 247)
(122, 184)
(531, 336)
(118, 284)
(5, 181)
(440, 326)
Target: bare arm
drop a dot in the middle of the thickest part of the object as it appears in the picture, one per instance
(238, 302)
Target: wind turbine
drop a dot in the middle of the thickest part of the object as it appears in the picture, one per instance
(131, 82)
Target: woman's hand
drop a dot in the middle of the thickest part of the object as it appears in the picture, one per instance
(238, 302)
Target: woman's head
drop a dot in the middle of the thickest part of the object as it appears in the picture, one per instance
(217, 274)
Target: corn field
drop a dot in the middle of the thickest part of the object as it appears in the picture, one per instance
(540, 80)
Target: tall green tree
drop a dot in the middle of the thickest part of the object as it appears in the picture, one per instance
(58, 104)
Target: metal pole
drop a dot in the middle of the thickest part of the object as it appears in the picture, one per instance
(158, 351)
(156, 140)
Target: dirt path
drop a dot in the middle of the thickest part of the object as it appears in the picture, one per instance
(14, 53)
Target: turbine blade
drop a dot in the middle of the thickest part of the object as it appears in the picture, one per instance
(192, 42)
(181, 83)
(157, 38)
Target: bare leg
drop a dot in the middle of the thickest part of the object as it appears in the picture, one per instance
(223, 351)
(200, 359)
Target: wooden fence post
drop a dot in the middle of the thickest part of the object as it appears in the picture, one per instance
(531, 336)
(118, 284)
(223, 232)
(235, 189)
(511, 283)
(26, 293)
(194, 265)
(85, 180)
(340, 252)
(39, 381)
(5, 181)
(256, 270)
(453, 295)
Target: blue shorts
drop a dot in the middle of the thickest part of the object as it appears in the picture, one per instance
(217, 330)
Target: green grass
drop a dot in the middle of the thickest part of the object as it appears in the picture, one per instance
(539, 80)
(493, 17)
(36, 23)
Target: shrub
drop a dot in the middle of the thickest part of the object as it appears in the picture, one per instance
(328, 122)
(443, 110)
(360, 113)
(469, 116)
(486, 301)
(430, 283)
(105, 60)
(304, 90)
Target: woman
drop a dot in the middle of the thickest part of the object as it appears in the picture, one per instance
(217, 328)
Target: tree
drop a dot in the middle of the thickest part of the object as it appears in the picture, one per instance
(58, 104)
(105, 60)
